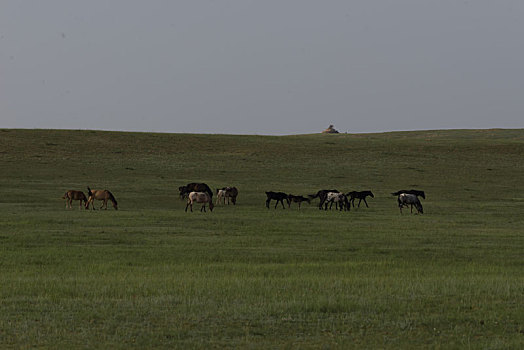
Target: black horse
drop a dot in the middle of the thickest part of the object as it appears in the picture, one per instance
(360, 195)
(278, 196)
(297, 199)
(412, 191)
(322, 194)
(194, 187)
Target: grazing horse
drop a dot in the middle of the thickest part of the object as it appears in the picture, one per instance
(278, 196)
(72, 195)
(199, 197)
(360, 195)
(297, 199)
(229, 193)
(101, 195)
(322, 194)
(405, 199)
(339, 199)
(194, 187)
(412, 191)
(221, 196)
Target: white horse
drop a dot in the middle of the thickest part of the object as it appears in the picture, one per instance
(405, 199)
(339, 199)
(221, 196)
(199, 197)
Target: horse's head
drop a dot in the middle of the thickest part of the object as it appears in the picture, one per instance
(184, 190)
(371, 194)
(211, 206)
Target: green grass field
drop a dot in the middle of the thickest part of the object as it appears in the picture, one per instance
(153, 276)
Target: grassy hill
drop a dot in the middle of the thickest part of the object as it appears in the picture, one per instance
(151, 275)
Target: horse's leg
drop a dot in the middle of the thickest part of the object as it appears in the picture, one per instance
(267, 202)
(367, 206)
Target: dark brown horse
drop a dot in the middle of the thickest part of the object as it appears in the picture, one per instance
(278, 197)
(72, 195)
(194, 187)
(297, 199)
(360, 195)
(101, 195)
(417, 193)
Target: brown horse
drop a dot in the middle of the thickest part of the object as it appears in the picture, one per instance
(72, 195)
(101, 195)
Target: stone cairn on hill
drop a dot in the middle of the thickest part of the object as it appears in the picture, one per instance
(330, 130)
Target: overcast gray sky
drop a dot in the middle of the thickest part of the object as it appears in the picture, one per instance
(261, 67)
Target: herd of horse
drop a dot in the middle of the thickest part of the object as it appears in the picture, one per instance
(201, 193)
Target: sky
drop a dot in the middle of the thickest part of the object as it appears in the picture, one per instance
(266, 67)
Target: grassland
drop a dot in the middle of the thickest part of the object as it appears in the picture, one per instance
(152, 276)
